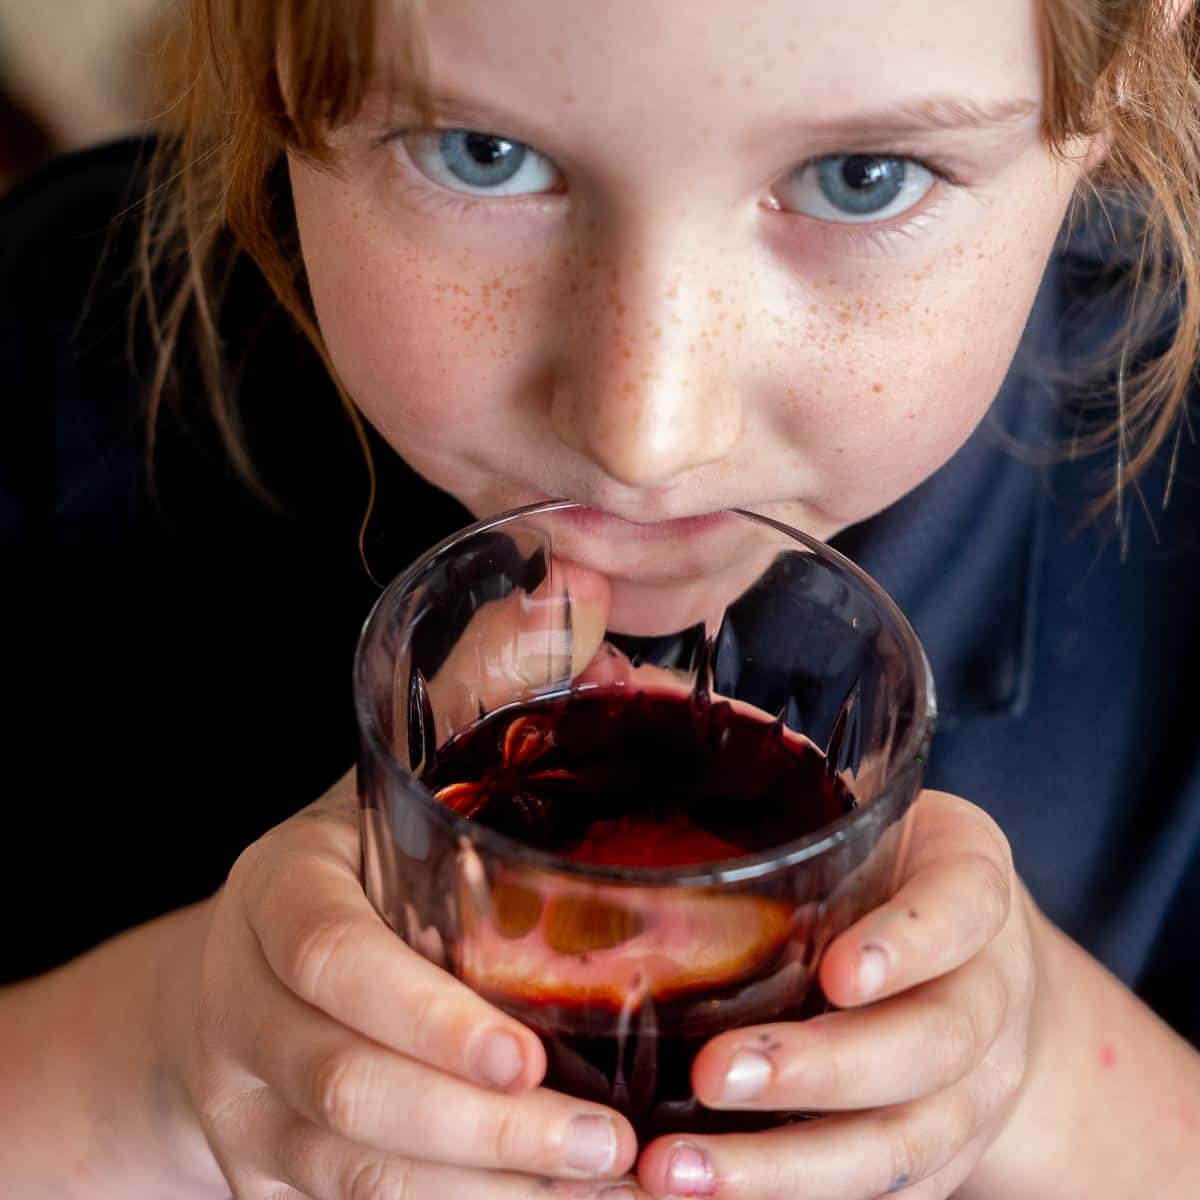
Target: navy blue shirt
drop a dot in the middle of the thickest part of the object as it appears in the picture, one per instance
(180, 672)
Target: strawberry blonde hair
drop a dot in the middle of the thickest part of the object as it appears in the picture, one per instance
(259, 79)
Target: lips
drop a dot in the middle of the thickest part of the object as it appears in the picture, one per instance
(593, 520)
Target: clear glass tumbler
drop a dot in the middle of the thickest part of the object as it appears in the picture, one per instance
(626, 970)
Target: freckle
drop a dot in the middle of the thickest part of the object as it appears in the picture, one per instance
(567, 98)
(715, 294)
(842, 337)
(1108, 1056)
(844, 315)
(877, 387)
(913, 914)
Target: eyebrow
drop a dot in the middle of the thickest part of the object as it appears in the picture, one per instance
(937, 114)
(929, 115)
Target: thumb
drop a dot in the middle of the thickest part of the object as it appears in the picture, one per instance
(523, 643)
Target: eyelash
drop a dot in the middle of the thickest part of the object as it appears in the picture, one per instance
(427, 195)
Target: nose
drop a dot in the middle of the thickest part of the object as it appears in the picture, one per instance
(646, 386)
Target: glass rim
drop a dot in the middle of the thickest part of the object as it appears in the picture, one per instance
(729, 870)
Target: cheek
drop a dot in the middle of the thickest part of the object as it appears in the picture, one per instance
(423, 338)
(902, 367)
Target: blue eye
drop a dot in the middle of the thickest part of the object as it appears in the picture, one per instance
(481, 164)
(850, 188)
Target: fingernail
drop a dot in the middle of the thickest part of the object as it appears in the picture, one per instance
(747, 1077)
(499, 1060)
(872, 971)
(591, 1144)
(688, 1173)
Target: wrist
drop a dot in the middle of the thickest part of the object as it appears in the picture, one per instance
(93, 1087)
(1033, 1133)
(173, 985)
(1104, 1108)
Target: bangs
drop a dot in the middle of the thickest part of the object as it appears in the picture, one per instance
(302, 68)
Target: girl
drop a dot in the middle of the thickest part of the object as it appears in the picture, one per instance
(825, 262)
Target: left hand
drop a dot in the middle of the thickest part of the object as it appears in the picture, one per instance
(923, 1064)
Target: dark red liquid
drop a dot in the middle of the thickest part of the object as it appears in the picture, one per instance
(640, 779)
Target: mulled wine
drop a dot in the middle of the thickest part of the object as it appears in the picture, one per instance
(625, 984)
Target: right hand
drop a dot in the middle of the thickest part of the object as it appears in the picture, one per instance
(325, 1059)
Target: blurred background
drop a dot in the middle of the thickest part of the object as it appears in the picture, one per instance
(74, 72)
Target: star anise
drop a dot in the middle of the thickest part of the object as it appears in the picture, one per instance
(526, 742)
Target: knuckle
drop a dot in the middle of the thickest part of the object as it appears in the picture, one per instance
(919, 1148)
(828, 1074)
(503, 1135)
(427, 1015)
(1003, 1082)
(956, 1040)
(991, 829)
(378, 1178)
(219, 1110)
(342, 1092)
(249, 862)
(963, 1120)
(993, 887)
(314, 954)
(906, 1155)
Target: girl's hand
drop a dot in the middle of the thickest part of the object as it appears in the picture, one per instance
(325, 1059)
(921, 1067)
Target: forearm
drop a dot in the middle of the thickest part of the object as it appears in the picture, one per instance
(1112, 1106)
(90, 1096)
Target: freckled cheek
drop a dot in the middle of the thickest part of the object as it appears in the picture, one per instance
(411, 350)
(427, 349)
(883, 399)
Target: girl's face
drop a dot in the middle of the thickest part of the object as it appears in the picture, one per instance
(667, 259)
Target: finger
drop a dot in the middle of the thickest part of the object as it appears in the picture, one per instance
(955, 898)
(908, 1046)
(522, 643)
(327, 945)
(943, 1184)
(296, 1153)
(847, 1157)
(370, 1095)
(325, 1167)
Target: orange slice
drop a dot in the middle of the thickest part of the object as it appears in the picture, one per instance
(603, 947)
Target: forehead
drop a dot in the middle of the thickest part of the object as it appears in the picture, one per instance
(649, 59)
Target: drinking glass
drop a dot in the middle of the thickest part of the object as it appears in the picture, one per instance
(625, 971)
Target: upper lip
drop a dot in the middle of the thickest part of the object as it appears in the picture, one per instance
(649, 512)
